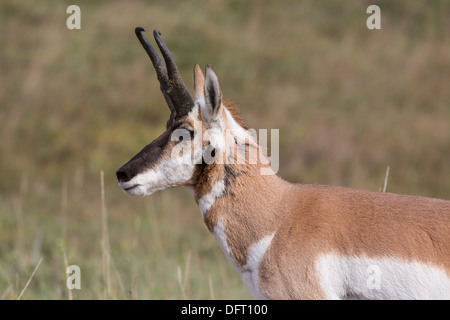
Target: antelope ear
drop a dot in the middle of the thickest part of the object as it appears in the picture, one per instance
(199, 83)
(213, 95)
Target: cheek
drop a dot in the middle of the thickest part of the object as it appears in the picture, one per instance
(170, 173)
(216, 139)
(185, 154)
(179, 167)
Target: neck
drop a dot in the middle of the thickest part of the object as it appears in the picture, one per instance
(240, 206)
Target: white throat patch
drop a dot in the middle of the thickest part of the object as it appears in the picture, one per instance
(205, 203)
(250, 272)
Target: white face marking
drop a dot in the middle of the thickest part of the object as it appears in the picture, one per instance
(169, 172)
(371, 278)
(172, 170)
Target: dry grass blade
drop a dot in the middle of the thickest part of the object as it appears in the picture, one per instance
(187, 287)
(386, 179)
(184, 285)
(29, 280)
(66, 264)
(105, 242)
(180, 283)
(211, 288)
(64, 205)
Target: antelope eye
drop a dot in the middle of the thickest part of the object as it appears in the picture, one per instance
(191, 133)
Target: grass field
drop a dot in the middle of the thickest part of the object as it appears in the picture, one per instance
(348, 102)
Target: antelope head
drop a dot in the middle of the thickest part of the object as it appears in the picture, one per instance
(176, 157)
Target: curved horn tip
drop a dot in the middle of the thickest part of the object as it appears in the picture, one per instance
(139, 29)
(156, 32)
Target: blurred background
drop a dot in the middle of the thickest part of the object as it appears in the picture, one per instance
(348, 102)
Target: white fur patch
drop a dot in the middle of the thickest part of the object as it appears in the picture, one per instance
(169, 172)
(221, 238)
(206, 202)
(250, 272)
(383, 278)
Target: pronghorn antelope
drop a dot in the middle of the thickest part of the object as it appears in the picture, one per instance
(287, 241)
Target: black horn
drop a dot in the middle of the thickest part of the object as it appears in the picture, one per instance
(172, 86)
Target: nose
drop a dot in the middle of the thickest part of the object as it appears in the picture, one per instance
(122, 175)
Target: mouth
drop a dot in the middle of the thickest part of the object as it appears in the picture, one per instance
(138, 189)
(128, 188)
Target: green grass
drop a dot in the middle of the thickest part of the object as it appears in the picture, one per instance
(348, 103)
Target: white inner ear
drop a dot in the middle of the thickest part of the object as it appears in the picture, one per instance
(212, 96)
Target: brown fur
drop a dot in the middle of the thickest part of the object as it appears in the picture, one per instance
(353, 222)
(311, 219)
